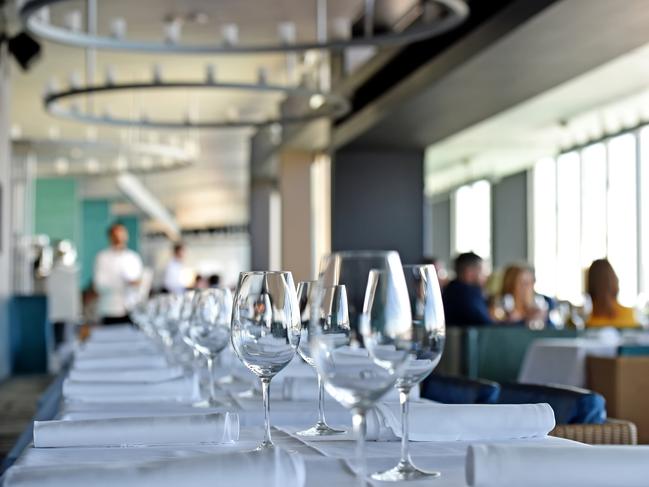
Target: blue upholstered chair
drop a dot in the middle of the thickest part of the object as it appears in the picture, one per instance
(459, 390)
(571, 405)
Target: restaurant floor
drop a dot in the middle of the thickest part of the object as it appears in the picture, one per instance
(18, 397)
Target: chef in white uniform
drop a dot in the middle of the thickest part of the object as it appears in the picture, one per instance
(117, 275)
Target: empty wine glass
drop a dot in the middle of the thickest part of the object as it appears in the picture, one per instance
(380, 321)
(210, 331)
(265, 329)
(427, 336)
(336, 299)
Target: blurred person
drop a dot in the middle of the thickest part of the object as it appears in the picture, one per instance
(519, 301)
(464, 302)
(214, 281)
(440, 270)
(603, 287)
(175, 270)
(116, 278)
(200, 282)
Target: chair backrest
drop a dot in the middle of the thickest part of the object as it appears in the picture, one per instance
(571, 405)
(459, 390)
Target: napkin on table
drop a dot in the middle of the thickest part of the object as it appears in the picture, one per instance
(126, 375)
(431, 421)
(492, 465)
(182, 389)
(161, 430)
(270, 468)
(121, 362)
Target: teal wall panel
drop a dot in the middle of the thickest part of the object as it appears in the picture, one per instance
(56, 210)
(96, 218)
(132, 224)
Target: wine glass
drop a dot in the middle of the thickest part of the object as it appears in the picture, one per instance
(209, 331)
(427, 336)
(337, 310)
(380, 321)
(265, 329)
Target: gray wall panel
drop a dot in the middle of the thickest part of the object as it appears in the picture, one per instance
(509, 220)
(378, 201)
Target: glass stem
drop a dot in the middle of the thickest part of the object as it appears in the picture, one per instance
(211, 369)
(360, 430)
(405, 427)
(265, 391)
(321, 402)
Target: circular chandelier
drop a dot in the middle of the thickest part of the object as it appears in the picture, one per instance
(355, 24)
(308, 104)
(72, 157)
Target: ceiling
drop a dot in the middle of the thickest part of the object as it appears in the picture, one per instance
(539, 51)
(213, 191)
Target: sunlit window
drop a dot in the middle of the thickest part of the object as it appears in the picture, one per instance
(644, 208)
(622, 215)
(570, 279)
(472, 219)
(593, 204)
(545, 226)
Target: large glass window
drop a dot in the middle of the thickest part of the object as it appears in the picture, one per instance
(644, 209)
(570, 281)
(593, 204)
(622, 215)
(472, 219)
(545, 226)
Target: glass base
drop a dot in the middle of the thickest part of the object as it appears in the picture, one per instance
(320, 429)
(265, 446)
(252, 393)
(228, 379)
(210, 403)
(404, 471)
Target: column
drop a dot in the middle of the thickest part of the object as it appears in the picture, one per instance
(378, 201)
(305, 189)
(5, 214)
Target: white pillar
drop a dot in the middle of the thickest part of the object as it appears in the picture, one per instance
(5, 213)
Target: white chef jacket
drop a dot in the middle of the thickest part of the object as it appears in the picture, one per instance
(114, 270)
(173, 277)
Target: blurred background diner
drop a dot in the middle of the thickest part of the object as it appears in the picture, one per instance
(507, 147)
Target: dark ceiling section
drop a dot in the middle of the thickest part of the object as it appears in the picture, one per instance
(416, 55)
(392, 92)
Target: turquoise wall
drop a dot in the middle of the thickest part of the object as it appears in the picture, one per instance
(57, 211)
(96, 218)
(60, 214)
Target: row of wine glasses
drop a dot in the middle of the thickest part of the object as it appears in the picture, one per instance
(366, 325)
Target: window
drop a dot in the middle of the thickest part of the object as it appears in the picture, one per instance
(622, 215)
(472, 219)
(570, 281)
(588, 205)
(593, 204)
(644, 209)
(545, 226)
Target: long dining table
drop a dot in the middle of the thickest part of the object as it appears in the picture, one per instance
(97, 390)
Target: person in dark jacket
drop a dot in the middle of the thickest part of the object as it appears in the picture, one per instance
(464, 302)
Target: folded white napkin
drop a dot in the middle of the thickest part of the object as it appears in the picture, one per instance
(166, 430)
(182, 389)
(272, 468)
(306, 389)
(121, 362)
(114, 349)
(558, 466)
(115, 333)
(126, 375)
(466, 422)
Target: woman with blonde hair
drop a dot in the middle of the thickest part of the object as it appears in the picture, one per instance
(519, 299)
(603, 287)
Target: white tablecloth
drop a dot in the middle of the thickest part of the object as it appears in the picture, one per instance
(562, 360)
(328, 461)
